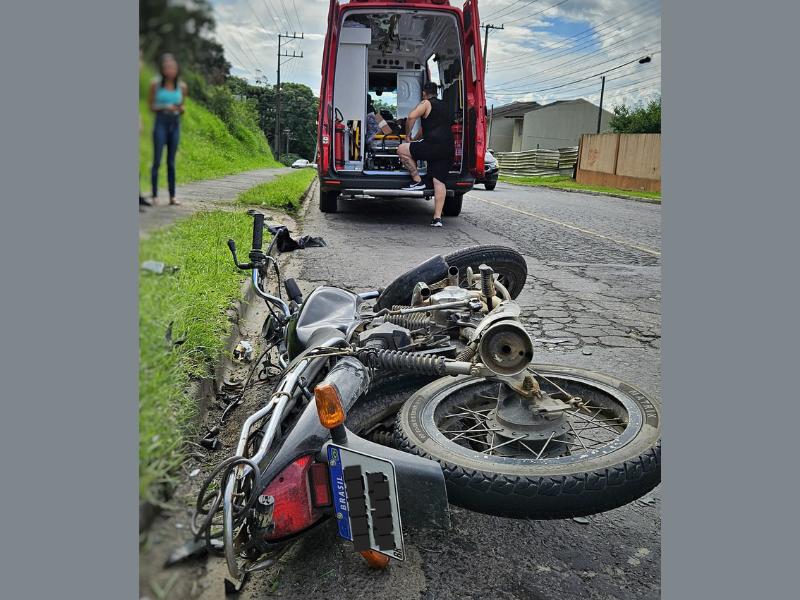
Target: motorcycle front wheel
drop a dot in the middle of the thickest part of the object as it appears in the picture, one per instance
(599, 454)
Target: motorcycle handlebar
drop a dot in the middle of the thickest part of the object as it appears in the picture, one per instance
(258, 231)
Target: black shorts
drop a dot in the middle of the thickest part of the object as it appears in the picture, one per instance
(438, 155)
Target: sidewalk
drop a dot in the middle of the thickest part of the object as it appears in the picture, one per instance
(198, 195)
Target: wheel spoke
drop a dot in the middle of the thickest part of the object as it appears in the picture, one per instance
(576, 434)
(470, 429)
(582, 418)
(505, 443)
(538, 456)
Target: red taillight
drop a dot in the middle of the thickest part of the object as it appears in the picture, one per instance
(320, 485)
(293, 510)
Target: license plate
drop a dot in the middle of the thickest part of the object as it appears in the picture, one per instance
(365, 499)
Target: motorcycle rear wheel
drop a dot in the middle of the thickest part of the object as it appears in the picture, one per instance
(609, 456)
(509, 265)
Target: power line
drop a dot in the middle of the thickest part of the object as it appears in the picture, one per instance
(580, 59)
(238, 59)
(286, 14)
(233, 39)
(255, 14)
(584, 45)
(555, 87)
(275, 21)
(297, 16)
(624, 90)
(502, 11)
(536, 13)
(595, 29)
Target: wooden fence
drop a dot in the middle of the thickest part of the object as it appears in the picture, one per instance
(537, 162)
(626, 161)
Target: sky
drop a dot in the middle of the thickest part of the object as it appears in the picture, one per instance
(548, 50)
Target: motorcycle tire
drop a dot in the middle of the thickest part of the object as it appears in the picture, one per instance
(509, 264)
(386, 395)
(506, 262)
(577, 484)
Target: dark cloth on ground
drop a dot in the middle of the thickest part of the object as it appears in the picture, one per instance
(285, 243)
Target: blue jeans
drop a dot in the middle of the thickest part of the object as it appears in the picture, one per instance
(166, 132)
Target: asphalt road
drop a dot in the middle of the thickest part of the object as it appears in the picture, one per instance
(592, 299)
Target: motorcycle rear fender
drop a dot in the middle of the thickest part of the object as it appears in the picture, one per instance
(420, 482)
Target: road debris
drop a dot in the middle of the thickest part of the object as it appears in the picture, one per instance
(243, 351)
(157, 267)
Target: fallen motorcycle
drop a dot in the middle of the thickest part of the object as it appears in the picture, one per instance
(391, 404)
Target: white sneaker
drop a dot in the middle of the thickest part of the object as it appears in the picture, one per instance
(437, 223)
(414, 187)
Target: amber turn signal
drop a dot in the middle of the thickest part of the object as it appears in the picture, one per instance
(375, 559)
(329, 406)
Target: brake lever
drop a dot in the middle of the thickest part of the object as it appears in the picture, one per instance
(242, 266)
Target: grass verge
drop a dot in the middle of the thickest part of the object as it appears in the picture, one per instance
(564, 182)
(207, 149)
(284, 191)
(194, 299)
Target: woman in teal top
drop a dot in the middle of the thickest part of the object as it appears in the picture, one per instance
(167, 97)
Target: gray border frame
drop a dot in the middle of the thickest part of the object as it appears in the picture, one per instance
(730, 298)
(68, 240)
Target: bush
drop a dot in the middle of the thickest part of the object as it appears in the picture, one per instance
(638, 119)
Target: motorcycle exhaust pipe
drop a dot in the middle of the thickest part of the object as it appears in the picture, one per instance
(505, 348)
(452, 276)
(421, 294)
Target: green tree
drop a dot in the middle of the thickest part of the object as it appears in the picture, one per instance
(184, 29)
(637, 119)
(298, 114)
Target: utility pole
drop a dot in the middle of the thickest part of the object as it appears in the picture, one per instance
(294, 36)
(486, 28)
(600, 109)
(287, 132)
(642, 61)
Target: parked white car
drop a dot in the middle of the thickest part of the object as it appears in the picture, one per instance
(300, 163)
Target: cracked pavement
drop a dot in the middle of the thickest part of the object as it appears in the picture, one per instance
(592, 299)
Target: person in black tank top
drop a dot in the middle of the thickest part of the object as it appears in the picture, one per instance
(434, 144)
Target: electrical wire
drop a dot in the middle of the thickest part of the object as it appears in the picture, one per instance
(555, 87)
(584, 45)
(591, 31)
(640, 52)
(536, 13)
(502, 11)
(297, 16)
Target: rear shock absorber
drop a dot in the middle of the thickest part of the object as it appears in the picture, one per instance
(410, 321)
(403, 362)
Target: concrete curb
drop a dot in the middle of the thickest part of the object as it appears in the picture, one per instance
(301, 209)
(588, 192)
(205, 389)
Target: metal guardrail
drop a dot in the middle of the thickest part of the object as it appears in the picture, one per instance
(541, 161)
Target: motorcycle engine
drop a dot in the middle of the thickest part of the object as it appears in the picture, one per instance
(451, 293)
